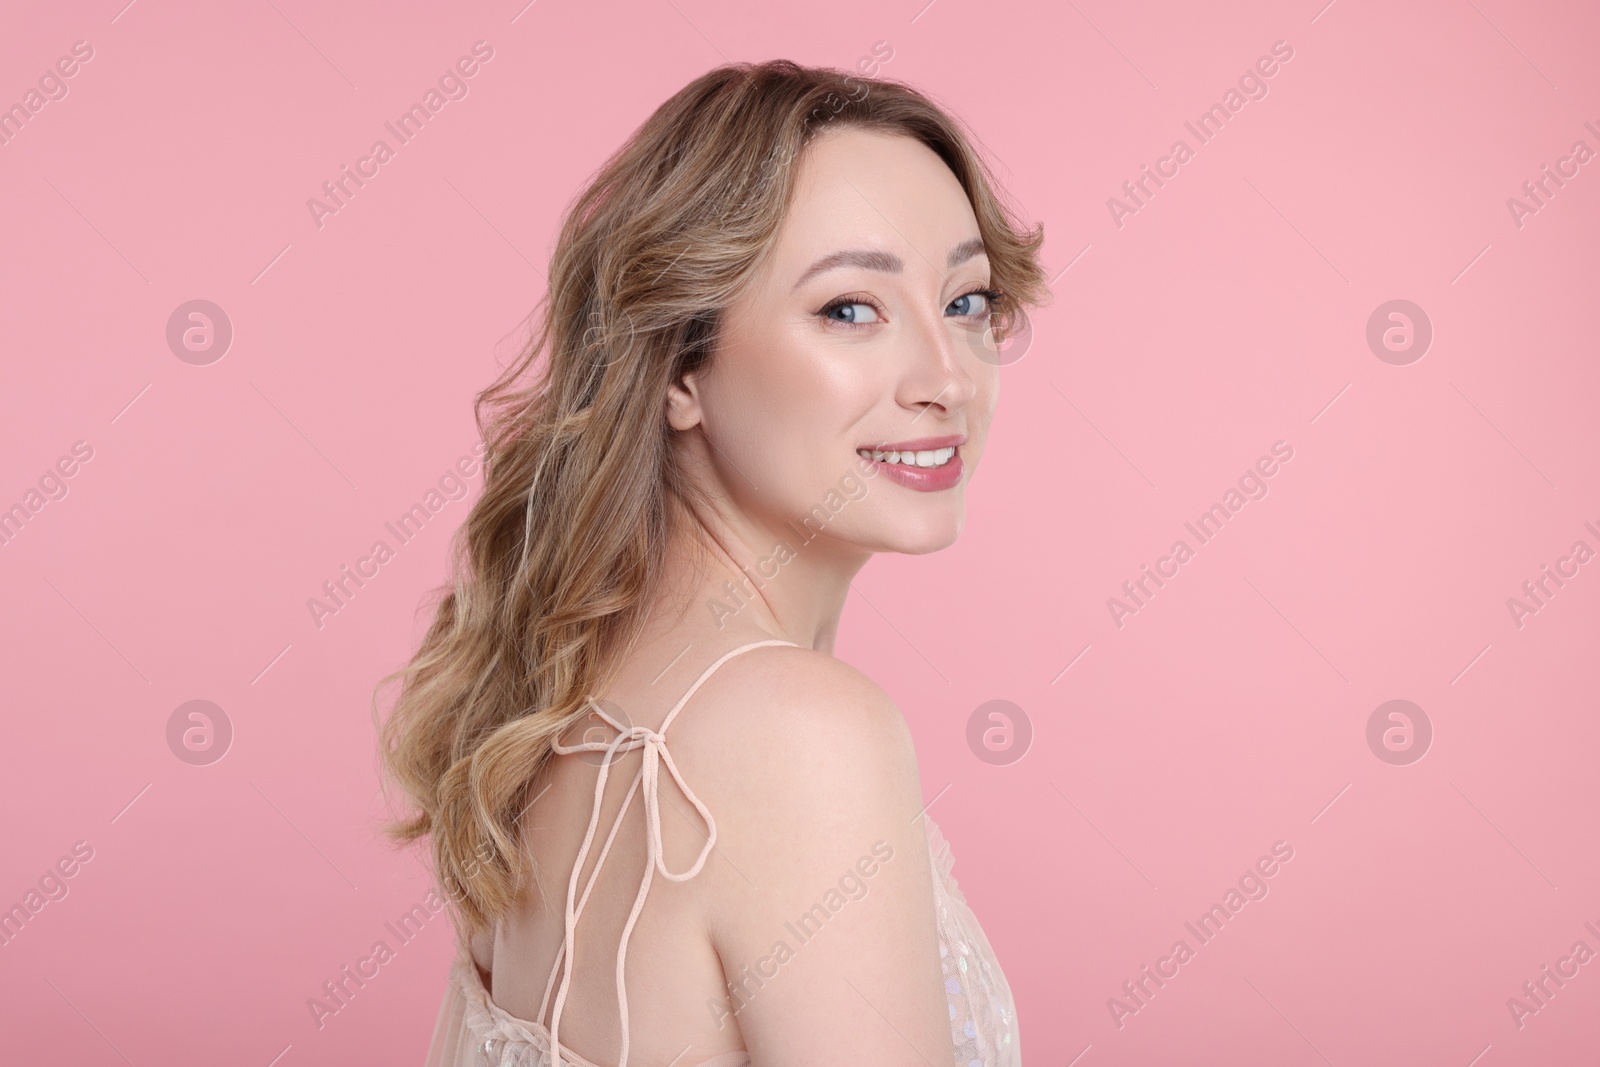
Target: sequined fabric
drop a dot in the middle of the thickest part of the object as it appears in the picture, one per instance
(983, 1017)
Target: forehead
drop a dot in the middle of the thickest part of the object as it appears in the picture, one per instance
(859, 188)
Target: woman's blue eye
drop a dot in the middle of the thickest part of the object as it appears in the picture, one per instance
(854, 315)
(976, 295)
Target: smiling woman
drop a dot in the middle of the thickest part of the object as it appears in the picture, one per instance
(722, 341)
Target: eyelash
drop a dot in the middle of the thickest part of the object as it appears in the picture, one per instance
(992, 299)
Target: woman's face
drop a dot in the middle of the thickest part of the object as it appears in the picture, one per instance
(862, 331)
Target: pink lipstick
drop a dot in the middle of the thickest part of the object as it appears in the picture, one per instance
(926, 464)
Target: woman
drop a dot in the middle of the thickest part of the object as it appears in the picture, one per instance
(769, 338)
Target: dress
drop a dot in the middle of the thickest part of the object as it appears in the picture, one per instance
(473, 1031)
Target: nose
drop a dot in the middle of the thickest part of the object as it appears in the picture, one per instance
(940, 366)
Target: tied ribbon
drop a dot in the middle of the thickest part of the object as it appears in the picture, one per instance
(655, 755)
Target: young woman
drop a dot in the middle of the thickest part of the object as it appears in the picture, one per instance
(673, 828)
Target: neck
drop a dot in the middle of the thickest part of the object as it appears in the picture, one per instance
(741, 574)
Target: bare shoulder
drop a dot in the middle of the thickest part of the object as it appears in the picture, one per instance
(805, 764)
(780, 729)
(821, 867)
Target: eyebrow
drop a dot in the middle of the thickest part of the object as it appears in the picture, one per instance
(887, 262)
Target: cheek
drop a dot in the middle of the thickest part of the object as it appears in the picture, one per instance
(778, 412)
(818, 415)
(981, 412)
(816, 390)
(985, 397)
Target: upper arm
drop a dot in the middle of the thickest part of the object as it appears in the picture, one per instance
(824, 910)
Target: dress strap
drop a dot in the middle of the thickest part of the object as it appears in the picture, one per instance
(654, 744)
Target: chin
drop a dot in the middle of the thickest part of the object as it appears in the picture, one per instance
(920, 538)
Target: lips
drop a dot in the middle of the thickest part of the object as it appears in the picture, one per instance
(926, 464)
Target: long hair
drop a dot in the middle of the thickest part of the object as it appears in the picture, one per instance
(555, 564)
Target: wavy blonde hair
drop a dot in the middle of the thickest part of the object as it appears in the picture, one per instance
(556, 562)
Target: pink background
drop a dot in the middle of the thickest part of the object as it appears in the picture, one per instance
(1228, 313)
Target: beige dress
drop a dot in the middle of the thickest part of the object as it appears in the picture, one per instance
(472, 1031)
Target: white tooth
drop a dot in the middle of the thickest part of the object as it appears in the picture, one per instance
(892, 457)
(925, 459)
(879, 456)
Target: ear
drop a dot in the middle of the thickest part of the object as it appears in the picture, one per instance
(683, 402)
